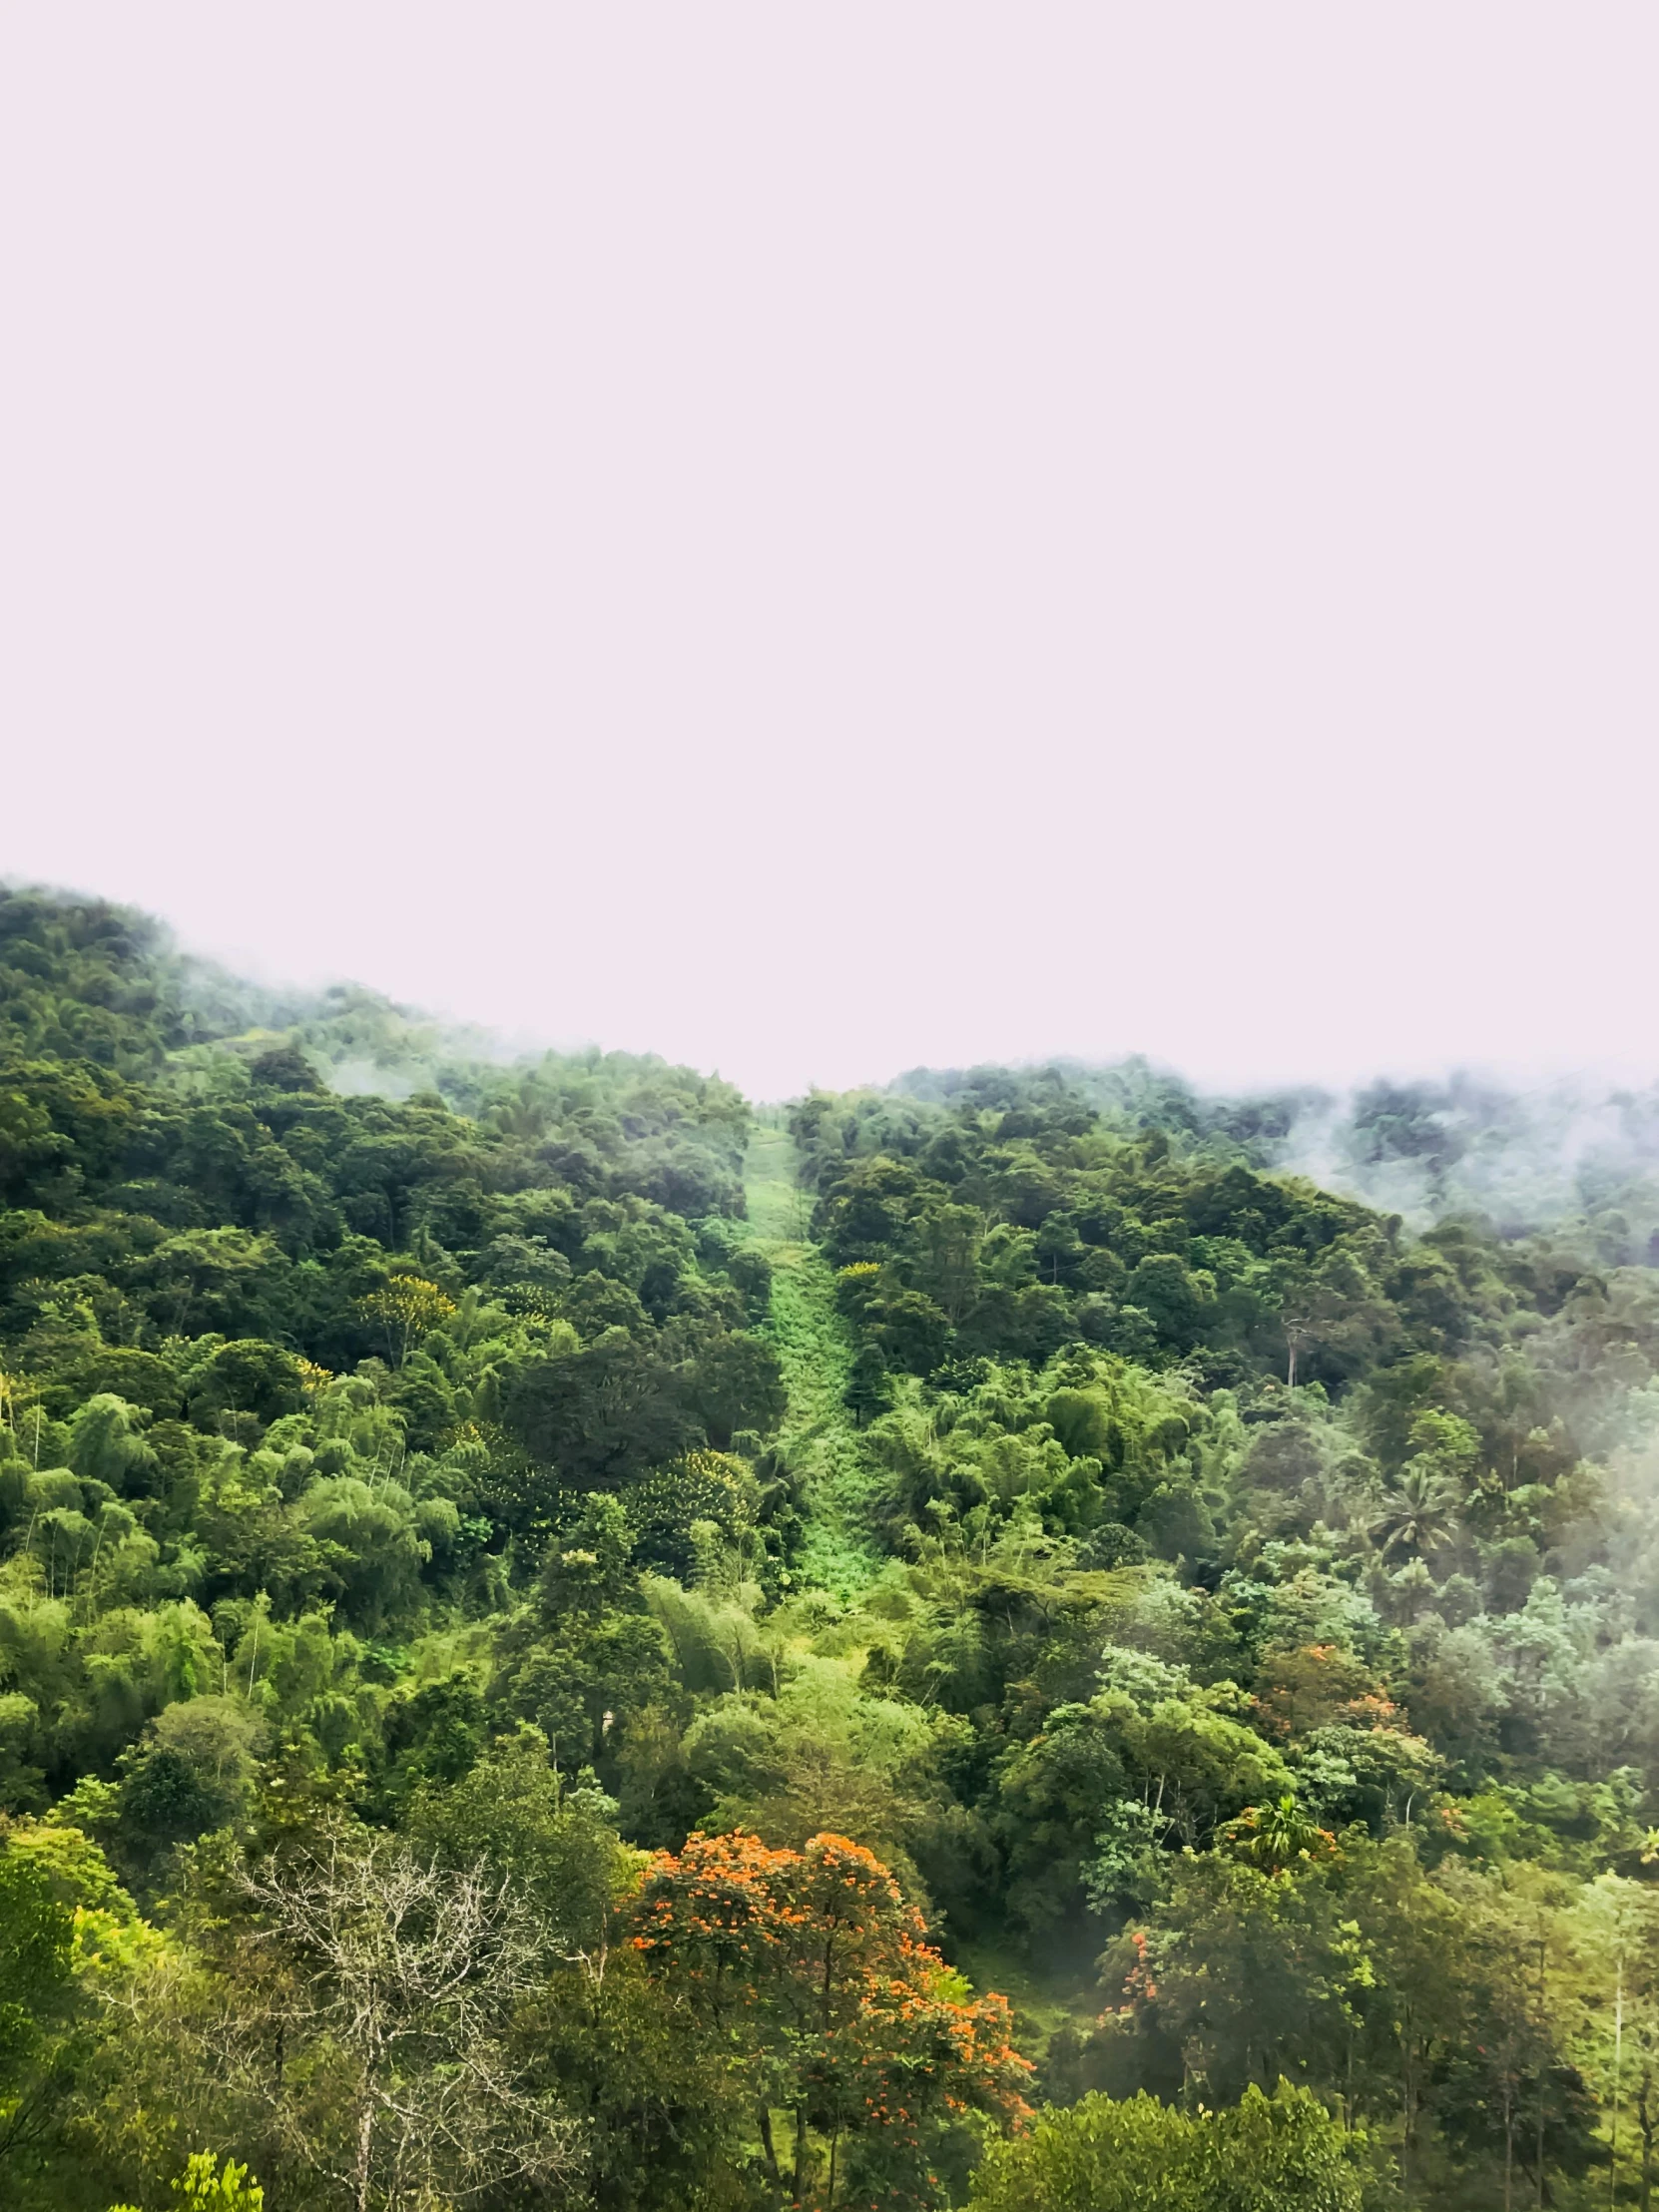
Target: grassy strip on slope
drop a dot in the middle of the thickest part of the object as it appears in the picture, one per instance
(817, 1435)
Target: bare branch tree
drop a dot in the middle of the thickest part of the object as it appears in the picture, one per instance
(407, 1973)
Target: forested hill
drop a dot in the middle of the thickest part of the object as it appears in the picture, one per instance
(563, 1637)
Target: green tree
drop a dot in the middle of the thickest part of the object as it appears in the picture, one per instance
(946, 1241)
(214, 2188)
(248, 1376)
(1243, 1971)
(1418, 1512)
(604, 1414)
(869, 1388)
(107, 1446)
(36, 1987)
(583, 1657)
(1615, 1990)
(1265, 2155)
(737, 1384)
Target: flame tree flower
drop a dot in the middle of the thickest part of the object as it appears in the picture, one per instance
(818, 1977)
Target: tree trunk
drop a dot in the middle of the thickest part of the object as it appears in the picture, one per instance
(1508, 2146)
(1540, 2139)
(365, 2136)
(1543, 2062)
(770, 2149)
(1408, 2107)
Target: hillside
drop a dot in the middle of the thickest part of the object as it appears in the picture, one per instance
(568, 1639)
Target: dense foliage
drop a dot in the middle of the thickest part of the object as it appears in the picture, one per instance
(551, 1632)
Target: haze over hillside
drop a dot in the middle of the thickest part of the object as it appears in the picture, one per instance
(1526, 1157)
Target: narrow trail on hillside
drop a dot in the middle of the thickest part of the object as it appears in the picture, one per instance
(816, 1352)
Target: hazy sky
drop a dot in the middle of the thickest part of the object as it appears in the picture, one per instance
(816, 539)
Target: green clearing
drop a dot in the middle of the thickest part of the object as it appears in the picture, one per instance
(815, 1353)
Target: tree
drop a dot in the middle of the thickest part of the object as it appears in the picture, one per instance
(1082, 1419)
(1168, 1748)
(661, 2116)
(813, 1967)
(397, 1976)
(911, 1331)
(247, 1375)
(1614, 1929)
(284, 1067)
(584, 1655)
(869, 1388)
(193, 1772)
(407, 1309)
(1179, 1301)
(1265, 2155)
(36, 1987)
(604, 1414)
(1277, 1835)
(107, 1445)
(557, 1845)
(1491, 2084)
(1509, 2092)
(213, 2188)
(737, 1383)
(1418, 1513)
(1413, 2017)
(1058, 1244)
(946, 1242)
(1243, 1970)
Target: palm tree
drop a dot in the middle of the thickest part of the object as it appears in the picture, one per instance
(1420, 1513)
(1277, 1835)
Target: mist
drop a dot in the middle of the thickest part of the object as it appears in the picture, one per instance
(812, 547)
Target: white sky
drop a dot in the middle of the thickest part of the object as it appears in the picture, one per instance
(818, 539)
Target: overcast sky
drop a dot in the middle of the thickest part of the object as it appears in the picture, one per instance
(813, 539)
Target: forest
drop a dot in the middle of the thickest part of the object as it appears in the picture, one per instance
(1031, 1638)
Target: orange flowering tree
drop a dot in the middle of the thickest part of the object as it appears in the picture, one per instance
(816, 1977)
